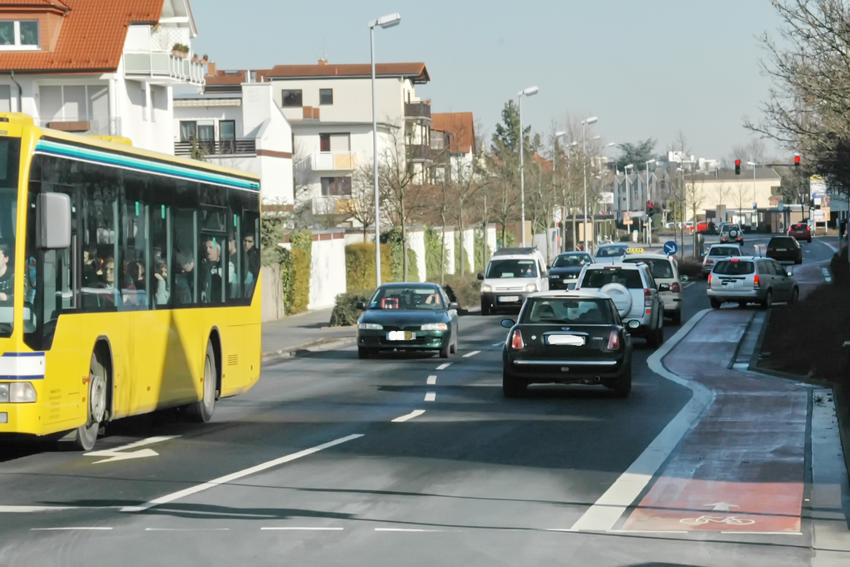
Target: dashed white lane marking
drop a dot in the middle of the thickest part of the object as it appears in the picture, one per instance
(605, 512)
(497, 344)
(187, 529)
(473, 353)
(826, 275)
(81, 528)
(240, 474)
(432, 380)
(404, 530)
(761, 533)
(31, 509)
(302, 529)
(411, 415)
(430, 396)
(444, 366)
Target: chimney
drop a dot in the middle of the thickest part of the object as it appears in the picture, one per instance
(247, 76)
(323, 61)
(210, 68)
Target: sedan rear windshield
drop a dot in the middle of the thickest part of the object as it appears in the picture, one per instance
(598, 278)
(572, 261)
(568, 311)
(658, 268)
(724, 251)
(407, 298)
(610, 251)
(512, 269)
(738, 268)
(784, 241)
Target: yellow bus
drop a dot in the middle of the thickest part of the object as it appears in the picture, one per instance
(129, 282)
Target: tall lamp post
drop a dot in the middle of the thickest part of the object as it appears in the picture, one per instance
(562, 228)
(584, 123)
(755, 199)
(530, 91)
(387, 21)
(648, 198)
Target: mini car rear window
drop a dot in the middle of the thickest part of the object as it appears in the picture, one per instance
(781, 241)
(730, 268)
(723, 251)
(568, 311)
(598, 278)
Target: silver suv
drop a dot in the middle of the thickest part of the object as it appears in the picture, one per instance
(634, 292)
(751, 279)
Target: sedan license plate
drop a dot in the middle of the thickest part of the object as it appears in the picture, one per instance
(509, 298)
(782, 250)
(567, 281)
(568, 340)
(401, 336)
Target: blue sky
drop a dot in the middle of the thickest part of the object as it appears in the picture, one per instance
(646, 69)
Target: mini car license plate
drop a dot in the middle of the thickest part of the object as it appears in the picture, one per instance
(401, 336)
(509, 298)
(567, 281)
(569, 340)
(782, 250)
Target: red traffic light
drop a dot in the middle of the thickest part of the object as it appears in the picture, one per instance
(738, 163)
(796, 159)
(737, 167)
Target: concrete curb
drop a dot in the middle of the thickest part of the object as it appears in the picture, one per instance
(320, 346)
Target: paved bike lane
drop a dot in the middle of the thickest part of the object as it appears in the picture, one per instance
(742, 467)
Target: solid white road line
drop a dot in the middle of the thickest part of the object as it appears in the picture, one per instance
(69, 529)
(404, 530)
(430, 396)
(830, 246)
(444, 366)
(603, 515)
(187, 529)
(473, 353)
(432, 380)
(411, 415)
(497, 344)
(762, 533)
(302, 529)
(240, 474)
(31, 509)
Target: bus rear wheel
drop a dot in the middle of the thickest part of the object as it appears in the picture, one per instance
(202, 411)
(86, 435)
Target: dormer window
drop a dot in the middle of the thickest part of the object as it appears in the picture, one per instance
(19, 34)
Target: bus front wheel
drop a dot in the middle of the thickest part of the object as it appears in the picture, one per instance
(202, 411)
(86, 435)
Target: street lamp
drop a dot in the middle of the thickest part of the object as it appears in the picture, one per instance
(648, 198)
(530, 91)
(585, 122)
(755, 199)
(387, 21)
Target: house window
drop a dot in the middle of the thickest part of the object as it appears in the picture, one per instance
(227, 136)
(326, 97)
(337, 143)
(292, 99)
(188, 130)
(76, 103)
(333, 186)
(21, 34)
(5, 98)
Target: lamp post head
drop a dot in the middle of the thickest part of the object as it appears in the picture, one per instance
(590, 120)
(650, 162)
(530, 91)
(387, 21)
(610, 145)
(560, 134)
(750, 163)
(630, 165)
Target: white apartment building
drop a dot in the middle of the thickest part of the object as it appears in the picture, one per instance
(453, 144)
(329, 108)
(104, 67)
(242, 129)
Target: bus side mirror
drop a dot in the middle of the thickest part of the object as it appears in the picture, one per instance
(53, 221)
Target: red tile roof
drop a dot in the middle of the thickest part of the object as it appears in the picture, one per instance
(416, 70)
(461, 125)
(91, 37)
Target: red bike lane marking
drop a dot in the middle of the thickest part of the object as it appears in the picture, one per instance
(742, 467)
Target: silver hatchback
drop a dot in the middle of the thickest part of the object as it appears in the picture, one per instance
(750, 279)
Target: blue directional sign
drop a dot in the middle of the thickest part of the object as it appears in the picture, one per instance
(670, 247)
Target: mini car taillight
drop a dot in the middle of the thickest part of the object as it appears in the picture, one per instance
(516, 340)
(675, 287)
(756, 280)
(614, 340)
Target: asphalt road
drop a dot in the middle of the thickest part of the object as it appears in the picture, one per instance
(309, 468)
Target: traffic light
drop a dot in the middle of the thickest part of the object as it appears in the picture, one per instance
(737, 167)
(796, 160)
(650, 208)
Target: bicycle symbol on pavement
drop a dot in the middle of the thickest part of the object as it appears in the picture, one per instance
(730, 520)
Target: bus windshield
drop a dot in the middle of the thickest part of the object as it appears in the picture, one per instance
(9, 161)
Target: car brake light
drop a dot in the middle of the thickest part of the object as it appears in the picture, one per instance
(516, 340)
(756, 280)
(614, 340)
(734, 260)
(709, 280)
(647, 300)
(709, 261)
(675, 287)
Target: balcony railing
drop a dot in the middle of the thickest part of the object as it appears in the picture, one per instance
(419, 152)
(330, 204)
(417, 110)
(218, 148)
(164, 67)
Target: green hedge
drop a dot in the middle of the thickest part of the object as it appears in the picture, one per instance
(345, 313)
(433, 252)
(392, 238)
(360, 265)
(465, 290)
(287, 279)
(482, 251)
(301, 281)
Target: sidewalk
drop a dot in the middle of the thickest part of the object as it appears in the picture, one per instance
(284, 337)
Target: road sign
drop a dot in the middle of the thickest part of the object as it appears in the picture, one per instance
(670, 248)
(627, 218)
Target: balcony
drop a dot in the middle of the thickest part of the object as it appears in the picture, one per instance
(245, 148)
(331, 204)
(163, 68)
(90, 126)
(329, 161)
(417, 110)
(419, 152)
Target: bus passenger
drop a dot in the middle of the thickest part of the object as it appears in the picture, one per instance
(161, 283)
(211, 273)
(183, 279)
(7, 277)
(250, 263)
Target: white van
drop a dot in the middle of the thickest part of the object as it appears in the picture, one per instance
(511, 275)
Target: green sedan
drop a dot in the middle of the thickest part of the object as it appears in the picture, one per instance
(407, 316)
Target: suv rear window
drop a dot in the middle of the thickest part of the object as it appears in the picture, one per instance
(784, 241)
(658, 268)
(598, 278)
(730, 268)
(723, 251)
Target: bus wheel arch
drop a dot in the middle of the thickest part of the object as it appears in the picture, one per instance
(202, 410)
(98, 396)
(215, 341)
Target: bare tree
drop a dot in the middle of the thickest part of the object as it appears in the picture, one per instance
(360, 205)
(720, 192)
(753, 151)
